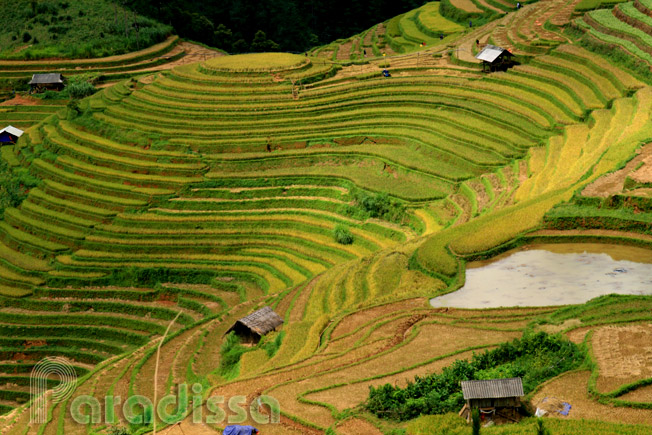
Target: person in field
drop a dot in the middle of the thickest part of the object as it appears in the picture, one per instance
(236, 429)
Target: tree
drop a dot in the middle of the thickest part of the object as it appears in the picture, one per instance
(261, 43)
(223, 37)
(240, 46)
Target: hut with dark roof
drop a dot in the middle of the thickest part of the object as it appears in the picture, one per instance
(493, 397)
(51, 81)
(250, 329)
(494, 58)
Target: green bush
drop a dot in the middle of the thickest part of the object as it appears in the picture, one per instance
(231, 352)
(380, 205)
(535, 358)
(14, 186)
(342, 235)
(80, 89)
(271, 347)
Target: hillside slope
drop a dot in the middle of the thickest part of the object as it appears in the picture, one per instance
(343, 199)
(74, 29)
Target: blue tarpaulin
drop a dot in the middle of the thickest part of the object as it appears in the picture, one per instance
(566, 410)
(239, 430)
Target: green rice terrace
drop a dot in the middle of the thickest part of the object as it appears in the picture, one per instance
(193, 188)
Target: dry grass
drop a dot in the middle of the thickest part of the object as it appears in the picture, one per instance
(356, 426)
(572, 388)
(623, 354)
(467, 6)
(643, 394)
(351, 395)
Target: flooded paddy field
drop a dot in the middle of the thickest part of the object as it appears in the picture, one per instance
(553, 274)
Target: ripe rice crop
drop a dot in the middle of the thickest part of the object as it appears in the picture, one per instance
(258, 62)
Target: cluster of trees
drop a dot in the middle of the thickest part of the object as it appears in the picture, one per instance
(534, 358)
(239, 26)
(14, 186)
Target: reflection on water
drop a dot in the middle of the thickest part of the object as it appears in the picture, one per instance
(542, 275)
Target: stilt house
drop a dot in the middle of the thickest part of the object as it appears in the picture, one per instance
(494, 58)
(51, 81)
(494, 397)
(250, 329)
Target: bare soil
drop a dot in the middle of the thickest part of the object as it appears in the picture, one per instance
(572, 388)
(22, 100)
(639, 168)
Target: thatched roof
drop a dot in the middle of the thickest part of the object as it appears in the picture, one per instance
(492, 388)
(46, 79)
(491, 52)
(261, 322)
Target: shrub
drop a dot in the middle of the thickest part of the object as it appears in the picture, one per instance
(14, 186)
(541, 429)
(80, 89)
(271, 347)
(342, 235)
(26, 37)
(231, 352)
(535, 358)
(381, 206)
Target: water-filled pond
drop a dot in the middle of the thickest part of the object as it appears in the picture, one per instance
(553, 274)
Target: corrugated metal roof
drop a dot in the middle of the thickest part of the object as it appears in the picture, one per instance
(490, 53)
(38, 79)
(492, 388)
(12, 130)
(262, 321)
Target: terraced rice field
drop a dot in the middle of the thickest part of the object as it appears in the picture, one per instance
(186, 199)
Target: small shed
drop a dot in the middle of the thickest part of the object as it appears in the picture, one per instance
(10, 135)
(494, 397)
(250, 329)
(494, 57)
(51, 81)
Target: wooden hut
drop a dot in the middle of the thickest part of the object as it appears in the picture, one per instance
(494, 58)
(51, 81)
(250, 329)
(9, 135)
(494, 397)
